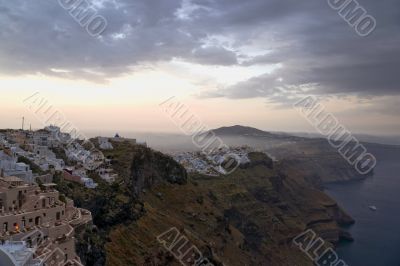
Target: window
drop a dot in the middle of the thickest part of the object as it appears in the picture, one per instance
(58, 216)
(5, 227)
(20, 199)
(37, 220)
(29, 241)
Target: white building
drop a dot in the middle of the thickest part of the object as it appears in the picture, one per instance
(105, 144)
(14, 253)
(40, 138)
(45, 158)
(10, 167)
(17, 151)
(107, 174)
(79, 175)
(50, 137)
(88, 182)
(76, 152)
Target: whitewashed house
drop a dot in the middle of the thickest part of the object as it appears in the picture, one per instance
(105, 144)
(84, 179)
(89, 183)
(107, 174)
(17, 253)
(40, 138)
(46, 159)
(10, 167)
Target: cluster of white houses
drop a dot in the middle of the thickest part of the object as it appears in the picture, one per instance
(209, 163)
(37, 226)
(36, 146)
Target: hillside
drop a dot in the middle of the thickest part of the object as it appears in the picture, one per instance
(242, 130)
(119, 204)
(247, 218)
(315, 158)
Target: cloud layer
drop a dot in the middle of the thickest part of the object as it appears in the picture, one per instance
(316, 51)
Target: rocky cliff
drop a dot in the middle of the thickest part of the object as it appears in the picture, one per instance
(247, 218)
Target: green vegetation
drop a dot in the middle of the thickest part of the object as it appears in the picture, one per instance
(62, 198)
(109, 205)
(34, 167)
(118, 204)
(60, 154)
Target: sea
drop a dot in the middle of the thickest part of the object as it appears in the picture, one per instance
(376, 233)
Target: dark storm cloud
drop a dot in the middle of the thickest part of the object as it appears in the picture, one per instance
(317, 50)
(315, 47)
(37, 36)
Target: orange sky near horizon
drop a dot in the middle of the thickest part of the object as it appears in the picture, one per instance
(132, 103)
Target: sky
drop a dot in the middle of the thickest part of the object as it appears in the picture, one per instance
(229, 61)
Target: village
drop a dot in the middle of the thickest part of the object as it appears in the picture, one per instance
(37, 223)
(52, 151)
(210, 163)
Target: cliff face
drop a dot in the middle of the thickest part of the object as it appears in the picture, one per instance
(316, 161)
(119, 205)
(150, 168)
(314, 158)
(247, 218)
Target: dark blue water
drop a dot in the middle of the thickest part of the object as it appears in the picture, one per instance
(377, 234)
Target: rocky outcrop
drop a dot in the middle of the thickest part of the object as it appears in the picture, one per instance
(247, 218)
(150, 168)
(257, 158)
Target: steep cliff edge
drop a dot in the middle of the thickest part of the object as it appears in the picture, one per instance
(315, 158)
(119, 204)
(317, 161)
(247, 218)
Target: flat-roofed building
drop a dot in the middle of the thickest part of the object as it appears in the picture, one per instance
(118, 138)
(10, 167)
(39, 217)
(17, 253)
